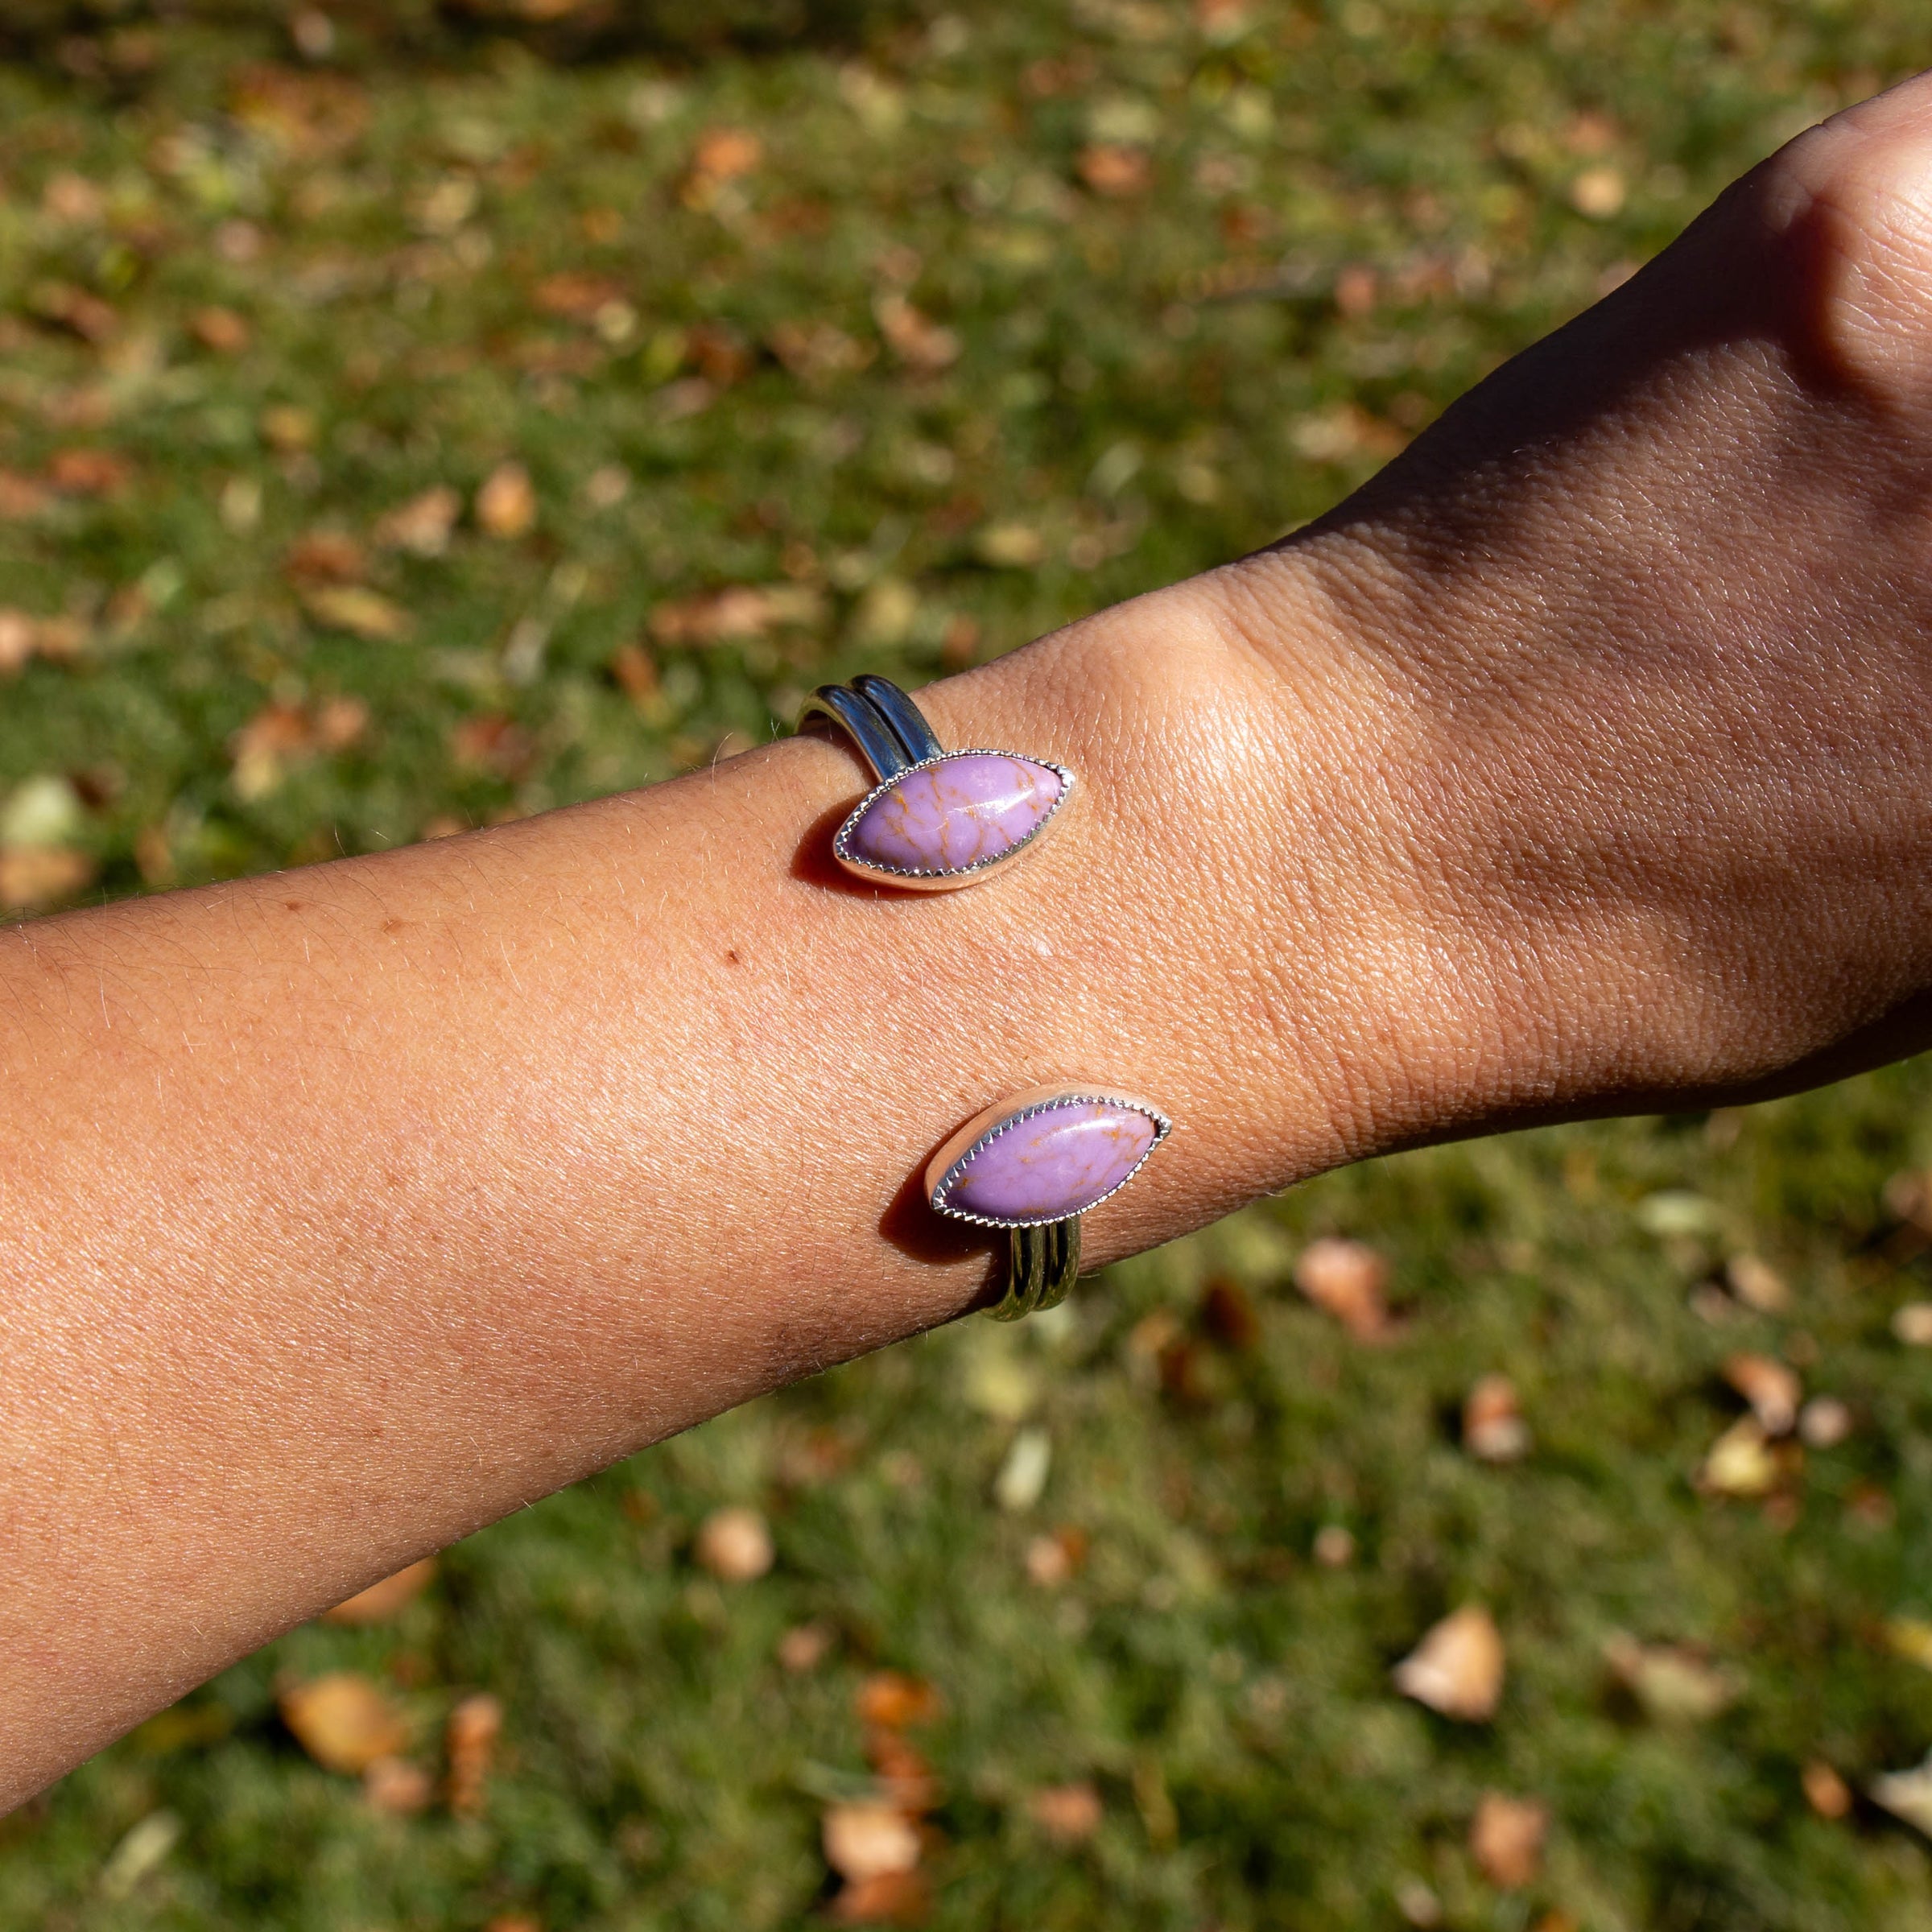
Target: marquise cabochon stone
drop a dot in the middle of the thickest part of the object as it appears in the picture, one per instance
(1048, 1161)
(959, 813)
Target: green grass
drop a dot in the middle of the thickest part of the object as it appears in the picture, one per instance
(1349, 215)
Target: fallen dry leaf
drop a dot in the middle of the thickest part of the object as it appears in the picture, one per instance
(1068, 1813)
(1910, 1637)
(905, 1780)
(1358, 288)
(818, 352)
(470, 1738)
(288, 427)
(495, 743)
(637, 676)
(891, 1898)
(1906, 1794)
(1346, 1279)
(19, 639)
(23, 637)
(144, 1849)
(893, 1700)
(1334, 1546)
(1506, 1839)
(62, 305)
(1740, 1463)
(1756, 1284)
(34, 876)
(343, 1722)
(1598, 193)
(1494, 1428)
(805, 1646)
(326, 556)
(359, 611)
(1009, 546)
(310, 115)
(1912, 1324)
(869, 1839)
(576, 295)
(89, 473)
(913, 336)
(21, 496)
(741, 610)
(423, 524)
(734, 1545)
(1457, 1668)
(1055, 1559)
(1771, 1388)
(1823, 1422)
(398, 1786)
(1825, 1791)
(1228, 1313)
(1344, 432)
(339, 722)
(507, 504)
(72, 198)
(221, 330)
(1671, 1683)
(382, 1602)
(1115, 169)
(727, 153)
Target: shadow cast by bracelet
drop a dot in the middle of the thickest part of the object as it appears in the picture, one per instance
(910, 1225)
(812, 860)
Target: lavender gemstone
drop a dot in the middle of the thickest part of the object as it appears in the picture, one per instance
(966, 809)
(1051, 1164)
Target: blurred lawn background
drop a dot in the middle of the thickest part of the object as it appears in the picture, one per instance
(414, 417)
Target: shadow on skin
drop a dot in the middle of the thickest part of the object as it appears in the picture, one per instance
(911, 1224)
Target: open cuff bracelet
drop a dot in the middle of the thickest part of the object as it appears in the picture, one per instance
(1035, 1162)
(936, 820)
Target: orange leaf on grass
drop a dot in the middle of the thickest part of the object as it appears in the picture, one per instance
(1771, 1388)
(221, 330)
(739, 610)
(21, 496)
(869, 1839)
(470, 1737)
(1347, 1280)
(359, 611)
(343, 1722)
(1506, 1838)
(727, 153)
(1457, 1668)
(506, 504)
(423, 524)
(1068, 1813)
(893, 1700)
(1494, 1428)
(1115, 169)
(35, 876)
(735, 1545)
(914, 336)
(397, 1785)
(576, 295)
(891, 1898)
(89, 472)
(326, 556)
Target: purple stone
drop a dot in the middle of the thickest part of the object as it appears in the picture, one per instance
(1050, 1164)
(959, 813)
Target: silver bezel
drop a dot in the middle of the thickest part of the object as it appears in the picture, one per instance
(943, 879)
(986, 1127)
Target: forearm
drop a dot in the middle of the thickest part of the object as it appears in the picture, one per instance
(347, 1209)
